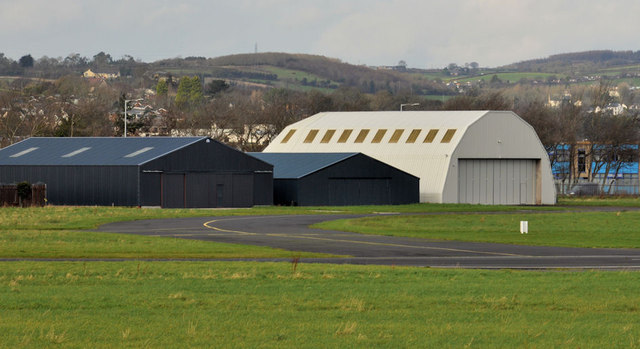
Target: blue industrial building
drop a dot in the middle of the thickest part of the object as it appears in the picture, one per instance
(618, 176)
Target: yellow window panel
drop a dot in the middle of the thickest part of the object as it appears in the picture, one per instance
(378, 137)
(396, 136)
(413, 136)
(288, 136)
(327, 136)
(344, 136)
(431, 136)
(448, 135)
(362, 135)
(311, 136)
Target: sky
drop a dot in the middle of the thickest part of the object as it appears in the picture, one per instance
(423, 33)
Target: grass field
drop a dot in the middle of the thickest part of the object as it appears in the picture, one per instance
(511, 77)
(619, 201)
(55, 232)
(142, 304)
(224, 305)
(573, 229)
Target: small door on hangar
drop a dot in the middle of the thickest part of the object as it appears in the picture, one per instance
(497, 181)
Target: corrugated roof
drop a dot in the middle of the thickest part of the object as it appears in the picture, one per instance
(48, 151)
(369, 125)
(418, 142)
(298, 165)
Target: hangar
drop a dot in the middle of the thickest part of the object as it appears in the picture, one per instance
(134, 171)
(483, 157)
(338, 179)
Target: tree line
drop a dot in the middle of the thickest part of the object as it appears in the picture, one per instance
(248, 118)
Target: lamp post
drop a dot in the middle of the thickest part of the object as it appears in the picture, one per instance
(125, 113)
(408, 105)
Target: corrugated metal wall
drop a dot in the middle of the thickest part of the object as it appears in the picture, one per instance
(497, 182)
(80, 185)
(203, 174)
(208, 174)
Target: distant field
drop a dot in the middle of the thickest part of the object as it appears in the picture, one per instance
(511, 77)
(622, 68)
(441, 98)
(269, 305)
(630, 81)
(293, 75)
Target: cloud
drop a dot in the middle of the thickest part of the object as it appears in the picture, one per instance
(374, 32)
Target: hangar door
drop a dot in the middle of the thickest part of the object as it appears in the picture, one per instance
(190, 190)
(497, 182)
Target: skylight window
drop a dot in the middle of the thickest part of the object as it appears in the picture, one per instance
(413, 136)
(396, 136)
(138, 152)
(431, 136)
(448, 135)
(311, 136)
(288, 136)
(327, 136)
(26, 151)
(378, 137)
(76, 152)
(362, 135)
(344, 136)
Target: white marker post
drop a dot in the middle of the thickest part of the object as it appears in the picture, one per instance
(524, 227)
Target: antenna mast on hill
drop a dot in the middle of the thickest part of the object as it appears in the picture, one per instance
(256, 48)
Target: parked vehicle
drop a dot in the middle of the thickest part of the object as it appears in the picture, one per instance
(585, 189)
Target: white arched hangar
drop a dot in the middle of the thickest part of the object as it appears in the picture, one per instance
(484, 157)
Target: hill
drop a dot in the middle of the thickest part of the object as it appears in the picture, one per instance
(301, 71)
(578, 62)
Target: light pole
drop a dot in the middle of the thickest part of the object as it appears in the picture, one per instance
(408, 105)
(125, 113)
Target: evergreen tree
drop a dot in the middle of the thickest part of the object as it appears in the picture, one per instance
(184, 92)
(196, 95)
(26, 61)
(162, 88)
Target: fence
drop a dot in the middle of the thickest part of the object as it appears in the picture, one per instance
(9, 195)
(620, 187)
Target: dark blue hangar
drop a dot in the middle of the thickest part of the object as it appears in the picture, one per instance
(156, 171)
(338, 179)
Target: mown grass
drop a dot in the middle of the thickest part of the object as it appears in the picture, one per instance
(619, 201)
(89, 217)
(271, 305)
(55, 231)
(571, 229)
(62, 244)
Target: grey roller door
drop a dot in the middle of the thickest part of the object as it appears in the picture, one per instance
(497, 182)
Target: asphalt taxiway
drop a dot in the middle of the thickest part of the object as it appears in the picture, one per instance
(292, 232)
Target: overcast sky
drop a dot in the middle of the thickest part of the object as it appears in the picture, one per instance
(424, 33)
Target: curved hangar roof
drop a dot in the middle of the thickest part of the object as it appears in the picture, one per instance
(437, 147)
